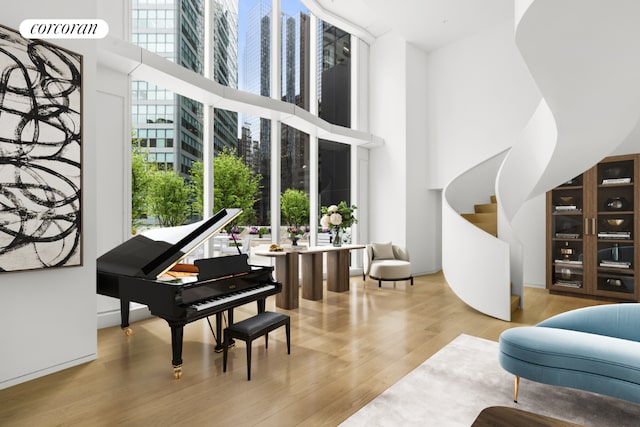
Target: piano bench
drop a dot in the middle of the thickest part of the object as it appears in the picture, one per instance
(252, 328)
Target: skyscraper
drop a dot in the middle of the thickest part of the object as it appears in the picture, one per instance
(295, 58)
(225, 70)
(334, 75)
(169, 125)
(256, 78)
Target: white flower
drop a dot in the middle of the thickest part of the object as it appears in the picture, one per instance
(325, 221)
(332, 208)
(335, 218)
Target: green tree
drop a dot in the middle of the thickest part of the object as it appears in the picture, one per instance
(294, 207)
(235, 185)
(142, 172)
(169, 198)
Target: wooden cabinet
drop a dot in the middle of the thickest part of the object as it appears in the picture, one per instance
(592, 232)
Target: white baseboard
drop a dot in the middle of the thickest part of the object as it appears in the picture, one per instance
(46, 371)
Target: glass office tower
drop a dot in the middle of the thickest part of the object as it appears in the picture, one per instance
(169, 126)
(225, 70)
(256, 78)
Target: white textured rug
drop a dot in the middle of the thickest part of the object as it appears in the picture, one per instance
(456, 383)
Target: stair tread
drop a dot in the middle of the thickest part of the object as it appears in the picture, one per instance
(480, 216)
(485, 207)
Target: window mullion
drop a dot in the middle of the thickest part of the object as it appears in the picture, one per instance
(313, 67)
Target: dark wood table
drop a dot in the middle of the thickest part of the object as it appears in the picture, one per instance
(311, 259)
(287, 274)
(504, 416)
(337, 269)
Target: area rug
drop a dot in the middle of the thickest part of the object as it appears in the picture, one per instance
(464, 377)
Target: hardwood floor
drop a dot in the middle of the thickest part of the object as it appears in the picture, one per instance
(346, 349)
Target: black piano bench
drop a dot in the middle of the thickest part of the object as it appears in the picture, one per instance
(252, 328)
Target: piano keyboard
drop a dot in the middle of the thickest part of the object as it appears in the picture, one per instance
(213, 302)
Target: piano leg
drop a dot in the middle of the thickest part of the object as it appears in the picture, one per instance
(176, 347)
(230, 316)
(218, 335)
(124, 316)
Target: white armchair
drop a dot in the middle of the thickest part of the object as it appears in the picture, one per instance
(388, 262)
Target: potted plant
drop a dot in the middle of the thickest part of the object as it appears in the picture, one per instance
(294, 208)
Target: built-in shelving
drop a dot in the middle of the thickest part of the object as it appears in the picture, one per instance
(592, 227)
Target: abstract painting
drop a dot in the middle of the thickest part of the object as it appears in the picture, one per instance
(40, 154)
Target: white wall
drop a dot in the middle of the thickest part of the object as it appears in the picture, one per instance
(423, 205)
(113, 175)
(49, 316)
(480, 97)
(387, 119)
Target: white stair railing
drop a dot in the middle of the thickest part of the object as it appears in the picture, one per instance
(475, 264)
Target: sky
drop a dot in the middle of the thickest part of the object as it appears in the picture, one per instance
(289, 7)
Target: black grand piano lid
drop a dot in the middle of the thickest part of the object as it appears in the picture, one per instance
(153, 252)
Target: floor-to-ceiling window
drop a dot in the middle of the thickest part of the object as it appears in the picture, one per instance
(172, 128)
(334, 178)
(254, 71)
(294, 173)
(295, 26)
(334, 74)
(172, 29)
(295, 53)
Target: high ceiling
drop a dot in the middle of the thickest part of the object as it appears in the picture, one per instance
(429, 24)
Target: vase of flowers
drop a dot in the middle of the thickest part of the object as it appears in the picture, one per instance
(295, 233)
(338, 218)
(336, 238)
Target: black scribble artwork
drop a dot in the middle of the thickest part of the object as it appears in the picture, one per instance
(40, 154)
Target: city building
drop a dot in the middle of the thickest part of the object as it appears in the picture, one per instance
(167, 125)
(225, 70)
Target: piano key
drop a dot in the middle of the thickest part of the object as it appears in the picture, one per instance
(213, 302)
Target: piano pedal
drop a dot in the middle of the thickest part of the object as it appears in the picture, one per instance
(177, 372)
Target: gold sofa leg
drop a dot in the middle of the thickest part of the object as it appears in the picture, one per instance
(516, 384)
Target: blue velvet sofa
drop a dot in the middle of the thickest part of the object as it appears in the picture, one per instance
(595, 349)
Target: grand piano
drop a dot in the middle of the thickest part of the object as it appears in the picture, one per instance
(146, 269)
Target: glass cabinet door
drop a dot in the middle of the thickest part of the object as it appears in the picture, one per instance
(615, 228)
(567, 238)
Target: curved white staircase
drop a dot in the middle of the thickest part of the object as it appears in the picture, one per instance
(584, 55)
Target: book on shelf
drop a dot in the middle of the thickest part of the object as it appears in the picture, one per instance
(568, 261)
(568, 283)
(614, 235)
(567, 235)
(616, 181)
(567, 208)
(615, 264)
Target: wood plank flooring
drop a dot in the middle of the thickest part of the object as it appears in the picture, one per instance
(346, 349)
